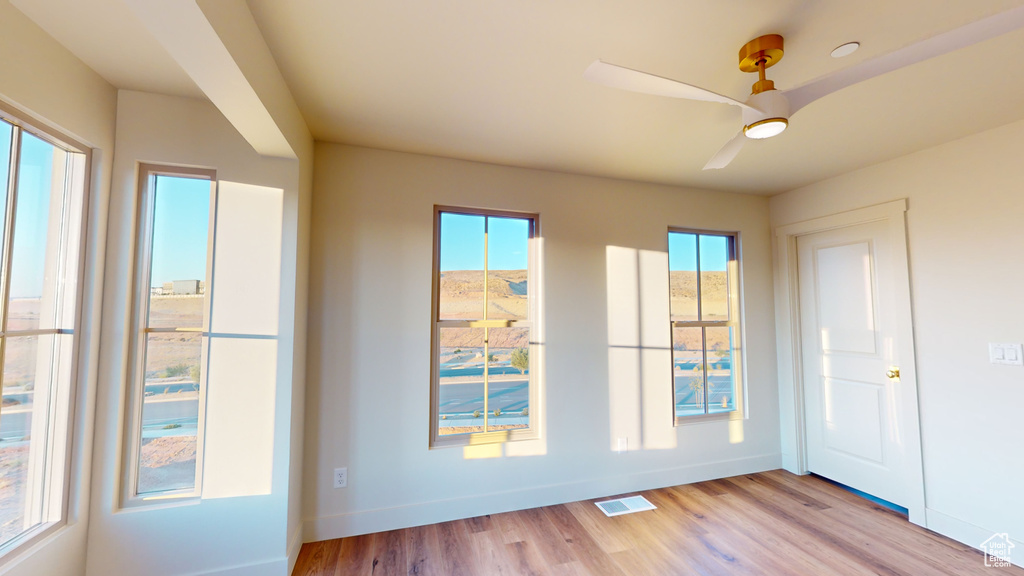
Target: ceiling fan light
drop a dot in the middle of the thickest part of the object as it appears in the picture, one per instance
(765, 128)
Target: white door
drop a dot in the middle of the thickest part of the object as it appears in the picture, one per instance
(854, 410)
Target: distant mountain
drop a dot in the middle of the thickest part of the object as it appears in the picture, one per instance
(462, 294)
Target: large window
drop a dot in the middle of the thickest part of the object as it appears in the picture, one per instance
(171, 319)
(703, 278)
(43, 181)
(484, 320)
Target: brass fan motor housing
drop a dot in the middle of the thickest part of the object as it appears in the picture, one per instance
(760, 53)
(767, 48)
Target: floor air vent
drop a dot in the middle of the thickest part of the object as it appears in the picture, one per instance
(625, 505)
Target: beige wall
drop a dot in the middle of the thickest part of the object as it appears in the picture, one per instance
(965, 233)
(369, 342)
(44, 80)
(240, 534)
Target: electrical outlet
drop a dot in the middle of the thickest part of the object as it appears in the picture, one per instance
(340, 477)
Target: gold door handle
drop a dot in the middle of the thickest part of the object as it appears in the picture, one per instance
(892, 373)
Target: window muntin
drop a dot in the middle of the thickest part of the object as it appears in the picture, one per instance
(42, 195)
(704, 304)
(485, 311)
(172, 313)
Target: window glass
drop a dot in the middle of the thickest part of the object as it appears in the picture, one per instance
(34, 257)
(462, 267)
(507, 249)
(461, 390)
(27, 364)
(703, 322)
(170, 412)
(508, 394)
(682, 250)
(483, 377)
(721, 384)
(173, 310)
(688, 370)
(714, 277)
(181, 226)
(38, 281)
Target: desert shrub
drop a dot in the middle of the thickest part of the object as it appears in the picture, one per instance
(521, 359)
(174, 371)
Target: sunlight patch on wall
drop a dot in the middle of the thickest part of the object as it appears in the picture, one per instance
(736, 429)
(241, 395)
(239, 453)
(481, 451)
(639, 350)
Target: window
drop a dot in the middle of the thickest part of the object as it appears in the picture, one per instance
(171, 324)
(703, 279)
(43, 180)
(484, 315)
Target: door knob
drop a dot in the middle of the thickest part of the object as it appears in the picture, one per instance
(892, 373)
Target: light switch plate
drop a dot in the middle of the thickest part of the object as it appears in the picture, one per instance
(1011, 354)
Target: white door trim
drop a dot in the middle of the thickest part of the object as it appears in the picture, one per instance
(787, 332)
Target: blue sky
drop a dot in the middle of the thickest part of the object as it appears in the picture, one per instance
(682, 252)
(462, 242)
(180, 229)
(180, 235)
(33, 212)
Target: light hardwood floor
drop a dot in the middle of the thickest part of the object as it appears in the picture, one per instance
(769, 523)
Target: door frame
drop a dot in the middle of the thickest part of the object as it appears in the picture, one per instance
(788, 338)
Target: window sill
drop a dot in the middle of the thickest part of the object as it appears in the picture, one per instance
(168, 500)
(26, 542)
(705, 418)
(496, 437)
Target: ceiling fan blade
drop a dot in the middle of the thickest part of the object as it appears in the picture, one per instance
(944, 43)
(626, 79)
(725, 155)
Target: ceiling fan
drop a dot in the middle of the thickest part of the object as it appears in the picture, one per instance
(767, 111)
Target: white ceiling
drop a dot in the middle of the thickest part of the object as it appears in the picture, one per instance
(108, 37)
(502, 81)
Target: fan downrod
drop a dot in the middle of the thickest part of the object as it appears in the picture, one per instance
(760, 53)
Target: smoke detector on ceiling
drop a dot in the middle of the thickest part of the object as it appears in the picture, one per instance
(845, 49)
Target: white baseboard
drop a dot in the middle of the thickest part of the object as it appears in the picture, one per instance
(968, 533)
(294, 545)
(418, 514)
(277, 567)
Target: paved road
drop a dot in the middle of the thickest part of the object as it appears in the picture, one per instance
(477, 370)
(15, 425)
(183, 411)
(465, 397)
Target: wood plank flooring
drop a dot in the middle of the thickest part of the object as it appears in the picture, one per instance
(773, 523)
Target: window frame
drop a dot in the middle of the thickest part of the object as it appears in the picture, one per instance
(532, 322)
(734, 293)
(57, 483)
(136, 367)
